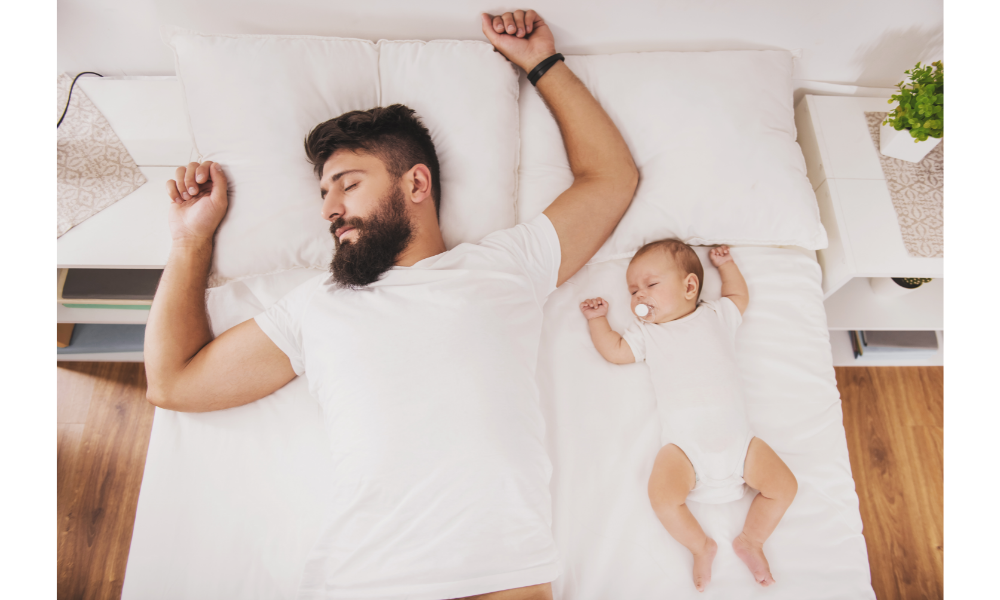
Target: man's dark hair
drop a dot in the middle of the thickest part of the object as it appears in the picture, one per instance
(394, 134)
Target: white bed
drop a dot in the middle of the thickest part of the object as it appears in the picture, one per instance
(230, 501)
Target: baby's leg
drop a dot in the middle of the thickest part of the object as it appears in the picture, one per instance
(672, 479)
(764, 471)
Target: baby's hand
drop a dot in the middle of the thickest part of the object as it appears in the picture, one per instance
(719, 256)
(594, 307)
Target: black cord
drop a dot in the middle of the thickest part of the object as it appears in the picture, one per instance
(70, 95)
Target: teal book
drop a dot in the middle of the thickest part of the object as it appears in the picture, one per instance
(116, 306)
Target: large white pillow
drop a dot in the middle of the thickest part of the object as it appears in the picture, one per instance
(713, 136)
(252, 99)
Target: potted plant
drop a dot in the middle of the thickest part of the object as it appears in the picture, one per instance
(916, 125)
(896, 286)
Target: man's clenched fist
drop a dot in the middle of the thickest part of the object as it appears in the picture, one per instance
(199, 199)
(521, 36)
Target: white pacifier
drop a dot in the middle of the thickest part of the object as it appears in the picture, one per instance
(641, 310)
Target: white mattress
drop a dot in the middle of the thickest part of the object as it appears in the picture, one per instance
(229, 503)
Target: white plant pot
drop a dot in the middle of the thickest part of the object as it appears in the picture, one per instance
(900, 144)
(886, 287)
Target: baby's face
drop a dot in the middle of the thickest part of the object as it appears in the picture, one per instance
(654, 279)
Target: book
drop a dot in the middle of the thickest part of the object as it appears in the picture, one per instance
(879, 341)
(95, 338)
(115, 306)
(130, 289)
(870, 346)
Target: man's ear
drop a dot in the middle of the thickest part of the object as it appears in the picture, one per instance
(418, 183)
(691, 286)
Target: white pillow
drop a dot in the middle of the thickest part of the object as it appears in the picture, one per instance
(466, 95)
(252, 99)
(713, 136)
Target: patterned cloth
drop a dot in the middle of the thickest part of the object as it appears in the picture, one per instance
(917, 191)
(94, 170)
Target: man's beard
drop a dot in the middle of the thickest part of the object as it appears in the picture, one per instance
(379, 241)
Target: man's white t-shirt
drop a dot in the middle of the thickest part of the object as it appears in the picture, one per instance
(426, 380)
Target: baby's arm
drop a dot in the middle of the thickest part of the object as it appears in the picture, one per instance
(734, 286)
(611, 345)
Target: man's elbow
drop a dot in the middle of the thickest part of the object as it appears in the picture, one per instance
(613, 186)
(625, 184)
(155, 398)
(161, 399)
(622, 177)
(633, 178)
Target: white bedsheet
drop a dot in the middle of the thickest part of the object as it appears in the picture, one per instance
(604, 435)
(229, 502)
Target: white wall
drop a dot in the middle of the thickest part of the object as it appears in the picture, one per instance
(858, 42)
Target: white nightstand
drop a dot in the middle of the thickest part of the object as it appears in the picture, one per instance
(864, 234)
(148, 116)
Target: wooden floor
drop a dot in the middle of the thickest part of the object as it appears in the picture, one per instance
(893, 418)
(103, 432)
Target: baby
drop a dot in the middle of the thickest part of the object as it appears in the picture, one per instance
(709, 451)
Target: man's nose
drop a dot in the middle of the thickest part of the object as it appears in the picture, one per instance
(332, 209)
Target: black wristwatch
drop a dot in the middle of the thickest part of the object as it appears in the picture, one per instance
(544, 66)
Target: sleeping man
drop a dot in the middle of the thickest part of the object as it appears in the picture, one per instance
(422, 358)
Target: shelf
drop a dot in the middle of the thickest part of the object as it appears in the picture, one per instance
(114, 342)
(857, 210)
(149, 117)
(100, 315)
(856, 306)
(843, 355)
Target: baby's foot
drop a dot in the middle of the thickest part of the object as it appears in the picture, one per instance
(753, 556)
(703, 564)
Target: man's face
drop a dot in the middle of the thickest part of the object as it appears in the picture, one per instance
(368, 217)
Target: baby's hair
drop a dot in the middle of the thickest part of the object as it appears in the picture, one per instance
(681, 253)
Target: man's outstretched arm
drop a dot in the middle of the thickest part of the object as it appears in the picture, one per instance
(604, 174)
(187, 370)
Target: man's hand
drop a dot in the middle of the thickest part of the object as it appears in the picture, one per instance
(199, 199)
(593, 308)
(719, 256)
(522, 37)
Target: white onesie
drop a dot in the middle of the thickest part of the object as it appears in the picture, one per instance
(699, 396)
